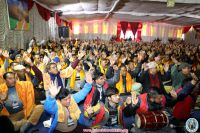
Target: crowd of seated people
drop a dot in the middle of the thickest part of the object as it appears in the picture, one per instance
(73, 85)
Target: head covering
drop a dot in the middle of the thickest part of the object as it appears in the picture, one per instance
(19, 67)
(137, 87)
(56, 60)
(184, 65)
(18, 55)
(151, 64)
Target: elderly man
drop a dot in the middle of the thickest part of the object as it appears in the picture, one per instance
(150, 77)
(180, 72)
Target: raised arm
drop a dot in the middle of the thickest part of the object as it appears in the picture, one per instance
(79, 96)
(112, 81)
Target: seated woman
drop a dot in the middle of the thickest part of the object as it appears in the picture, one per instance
(63, 106)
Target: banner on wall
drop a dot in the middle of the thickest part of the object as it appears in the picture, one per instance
(18, 14)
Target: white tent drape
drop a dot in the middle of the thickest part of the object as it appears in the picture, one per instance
(190, 37)
(151, 31)
(87, 30)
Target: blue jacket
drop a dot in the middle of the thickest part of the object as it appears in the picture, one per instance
(51, 107)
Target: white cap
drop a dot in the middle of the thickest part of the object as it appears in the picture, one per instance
(19, 67)
(151, 64)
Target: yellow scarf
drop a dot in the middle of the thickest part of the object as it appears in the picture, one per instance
(35, 49)
(1, 61)
(2, 71)
(64, 66)
(129, 82)
(119, 62)
(73, 78)
(73, 108)
(160, 68)
(103, 70)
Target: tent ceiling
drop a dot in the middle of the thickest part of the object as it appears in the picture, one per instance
(185, 12)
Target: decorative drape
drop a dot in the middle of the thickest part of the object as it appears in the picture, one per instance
(88, 30)
(196, 27)
(124, 26)
(152, 31)
(191, 37)
(139, 32)
(70, 25)
(30, 4)
(45, 13)
(134, 27)
(186, 29)
(58, 20)
(118, 31)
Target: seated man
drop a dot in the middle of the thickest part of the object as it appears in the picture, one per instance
(151, 77)
(151, 101)
(65, 111)
(154, 100)
(115, 106)
(18, 102)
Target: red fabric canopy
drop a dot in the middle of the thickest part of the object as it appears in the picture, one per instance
(44, 13)
(118, 31)
(58, 20)
(186, 29)
(30, 4)
(139, 32)
(134, 27)
(124, 26)
(197, 28)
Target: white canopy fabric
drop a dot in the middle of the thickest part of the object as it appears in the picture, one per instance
(185, 12)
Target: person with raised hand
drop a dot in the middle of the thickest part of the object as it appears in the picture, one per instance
(63, 106)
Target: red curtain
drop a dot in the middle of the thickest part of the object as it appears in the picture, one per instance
(118, 31)
(134, 27)
(70, 25)
(58, 20)
(186, 29)
(44, 13)
(124, 26)
(30, 4)
(196, 27)
(139, 31)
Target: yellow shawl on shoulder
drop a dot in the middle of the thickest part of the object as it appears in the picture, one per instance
(73, 110)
